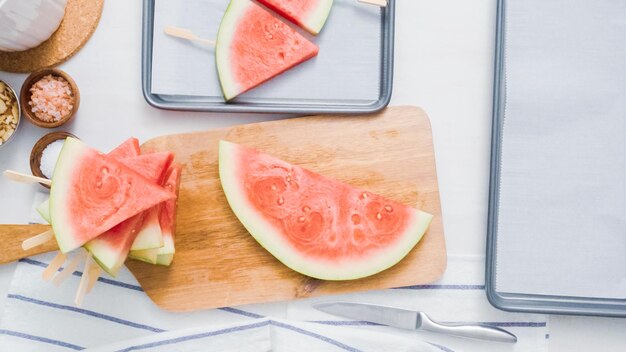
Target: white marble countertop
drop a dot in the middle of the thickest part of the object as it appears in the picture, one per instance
(444, 63)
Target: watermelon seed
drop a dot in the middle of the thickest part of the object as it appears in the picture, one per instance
(364, 195)
(305, 209)
(281, 201)
(388, 208)
(274, 187)
(301, 219)
(105, 170)
(379, 216)
(288, 179)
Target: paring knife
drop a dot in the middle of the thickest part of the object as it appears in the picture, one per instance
(412, 320)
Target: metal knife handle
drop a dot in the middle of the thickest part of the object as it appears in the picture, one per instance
(469, 331)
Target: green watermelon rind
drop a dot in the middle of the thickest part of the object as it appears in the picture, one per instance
(264, 232)
(145, 255)
(44, 210)
(149, 237)
(166, 253)
(315, 22)
(230, 88)
(61, 220)
(107, 257)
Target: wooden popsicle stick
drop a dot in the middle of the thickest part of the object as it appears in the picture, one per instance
(186, 34)
(24, 178)
(54, 265)
(84, 282)
(379, 3)
(69, 269)
(37, 240)
(94, 274)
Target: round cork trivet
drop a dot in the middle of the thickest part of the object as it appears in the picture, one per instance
(80, 21)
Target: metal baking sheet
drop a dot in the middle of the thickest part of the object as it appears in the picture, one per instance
(352, 74)
(554, 302)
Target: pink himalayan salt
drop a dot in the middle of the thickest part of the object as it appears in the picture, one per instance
(51, 98)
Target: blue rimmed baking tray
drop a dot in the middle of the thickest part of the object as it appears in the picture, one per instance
(352, 74)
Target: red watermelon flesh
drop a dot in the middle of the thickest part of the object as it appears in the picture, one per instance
(308, 14)
(317, 226)
(254, 46)
(111, 248)
(127, 149)
(92, 192)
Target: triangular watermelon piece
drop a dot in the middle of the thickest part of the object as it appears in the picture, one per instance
(253, 46)
(92, 192)
(308, 14)
(111, 248)
(127, 149)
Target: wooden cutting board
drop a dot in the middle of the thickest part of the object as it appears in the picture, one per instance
(218, 264)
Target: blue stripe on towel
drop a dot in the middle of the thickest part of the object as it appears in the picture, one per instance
(442, 287)
(40, 339)
(443, 348)
(515, 324)
(86, 312)
(79, 274)
(237, 329)
(195, 336)
(345, 322)
(241, 312)
(317, 336)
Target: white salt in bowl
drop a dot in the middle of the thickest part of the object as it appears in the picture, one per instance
(45, 152)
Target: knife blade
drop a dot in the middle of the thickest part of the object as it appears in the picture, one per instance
(412, 320)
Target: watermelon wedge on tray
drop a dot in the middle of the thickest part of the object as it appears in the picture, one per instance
(254, 46)
(91, 193)
(308, 14)
(317, 226)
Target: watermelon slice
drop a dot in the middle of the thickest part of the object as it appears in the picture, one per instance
(167, 217)
(91, 193)
(127, 149)
(308, 14)
(253, 46)
(111, 248)
(316, 226)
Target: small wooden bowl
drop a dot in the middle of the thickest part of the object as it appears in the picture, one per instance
(25, 96)
(39, 147)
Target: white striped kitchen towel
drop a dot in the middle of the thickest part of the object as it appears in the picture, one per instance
(39, 316)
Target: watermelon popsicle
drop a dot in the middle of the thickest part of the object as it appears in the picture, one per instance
(91, 193)
(253, 46)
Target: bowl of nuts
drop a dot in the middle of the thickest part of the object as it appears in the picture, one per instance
(10, 113)
(49, 98)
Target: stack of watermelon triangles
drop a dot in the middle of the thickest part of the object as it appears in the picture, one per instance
(113, 203)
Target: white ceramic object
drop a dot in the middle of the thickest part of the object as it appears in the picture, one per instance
(25, 24)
